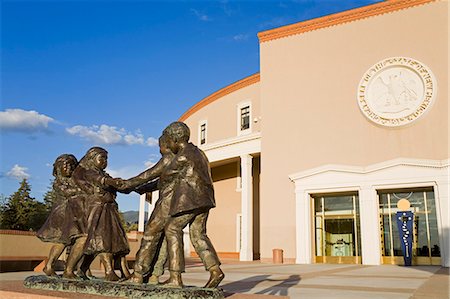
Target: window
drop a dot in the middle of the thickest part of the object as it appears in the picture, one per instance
(202, 132)
(337, 228)
(425, 247)
(244, 117)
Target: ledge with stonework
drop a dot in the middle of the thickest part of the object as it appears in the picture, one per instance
(100, 287)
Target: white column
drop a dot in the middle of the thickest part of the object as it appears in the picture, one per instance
(246, 253)
(141, 213)
(303, 226)
(151, 206)
(186, 241)
(443, 215)
(370, 226)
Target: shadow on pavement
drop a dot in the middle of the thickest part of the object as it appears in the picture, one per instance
(282, 287)
(246, 285)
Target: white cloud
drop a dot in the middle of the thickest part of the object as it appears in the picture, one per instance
(201, 16)
(154, 158)
(125, 172)
(18, 172)
(23, 121)
(240, 37)
(110, 135)
(152, 141)
(134, 139)
(149, 163)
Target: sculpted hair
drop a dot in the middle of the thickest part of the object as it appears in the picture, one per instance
(87, 160)
(59, 161)
(178, 131)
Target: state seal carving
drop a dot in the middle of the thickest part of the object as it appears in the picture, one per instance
(396, 91)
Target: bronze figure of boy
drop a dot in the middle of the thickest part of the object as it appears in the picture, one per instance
(187, 194)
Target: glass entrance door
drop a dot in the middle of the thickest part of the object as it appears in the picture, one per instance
(426, 249)
(336, 226)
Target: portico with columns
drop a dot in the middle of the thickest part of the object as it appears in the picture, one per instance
(243, 153)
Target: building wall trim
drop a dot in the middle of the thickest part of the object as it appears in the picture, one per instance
(233, 147)
(339, 18)
(221, 93)
(397, 173)
(370, 168)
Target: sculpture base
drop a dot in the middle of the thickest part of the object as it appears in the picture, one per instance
(100, 287)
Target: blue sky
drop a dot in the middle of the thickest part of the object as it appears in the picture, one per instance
(77, 74)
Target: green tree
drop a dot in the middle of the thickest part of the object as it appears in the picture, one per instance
(23, 212)
(3, 202)
(127, 226)
(49, 197)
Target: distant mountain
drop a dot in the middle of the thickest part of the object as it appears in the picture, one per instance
(132, 216)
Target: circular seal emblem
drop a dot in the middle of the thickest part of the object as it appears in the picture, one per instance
(396, 91)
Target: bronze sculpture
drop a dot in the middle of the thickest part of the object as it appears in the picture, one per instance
(90, 218)
(155, 226)
(187, 194)
(59, 228)
(193, 197)
(105, 235)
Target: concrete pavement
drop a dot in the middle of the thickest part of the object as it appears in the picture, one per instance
(248, 280)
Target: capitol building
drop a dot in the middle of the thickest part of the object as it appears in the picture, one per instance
(348, 115)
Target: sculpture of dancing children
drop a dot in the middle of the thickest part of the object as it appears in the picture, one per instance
(105, 235)
(186, 196)
(160, 214)
(154, 228)
(193, 197)
(59, 228)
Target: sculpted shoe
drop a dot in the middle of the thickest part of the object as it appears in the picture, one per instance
(111, 276)
(135, 278)
(85, 275)
(49, 272)
(154, 280)
(69, 275)
(216, 276)
(174, 280)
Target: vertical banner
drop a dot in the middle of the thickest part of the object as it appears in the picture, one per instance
(405, 222)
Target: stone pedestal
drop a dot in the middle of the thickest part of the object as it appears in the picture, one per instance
(100, 287)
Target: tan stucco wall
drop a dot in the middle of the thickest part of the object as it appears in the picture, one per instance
(14, 246)
(310, 115)
(22, 246)
(222, 219)
(221, 115)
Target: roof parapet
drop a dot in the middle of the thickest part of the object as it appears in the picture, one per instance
(221, 93)
(338, 18)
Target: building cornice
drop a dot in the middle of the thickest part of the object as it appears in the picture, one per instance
(438, 164)
(231, 141)
(221, 93)
(339, 18)
(233, 147)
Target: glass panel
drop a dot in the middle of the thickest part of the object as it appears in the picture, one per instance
(318, 205)
(203, 134)
(245, 118)
(339, 205)
(319, 234)
(339, 237)
(432, 221)
(336, 223)
(358, 227)
(387, 237)
(425, 221)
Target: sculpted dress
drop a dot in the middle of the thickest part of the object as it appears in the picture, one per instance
(61, 225)
(104, 229)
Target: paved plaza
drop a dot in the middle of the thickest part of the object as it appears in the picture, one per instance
(248, 280)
